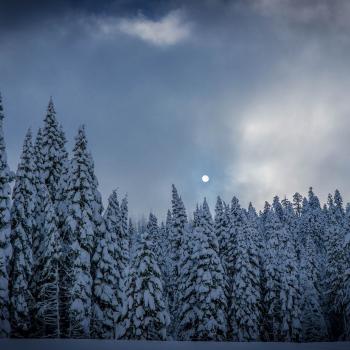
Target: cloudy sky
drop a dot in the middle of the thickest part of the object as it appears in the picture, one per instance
(256, 94)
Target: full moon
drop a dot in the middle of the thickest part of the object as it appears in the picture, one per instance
(205, 178)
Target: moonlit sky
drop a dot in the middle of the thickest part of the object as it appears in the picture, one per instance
(256, 94)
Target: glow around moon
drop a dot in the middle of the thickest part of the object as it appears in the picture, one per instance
(205, 178)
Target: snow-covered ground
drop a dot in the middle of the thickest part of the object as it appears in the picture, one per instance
(41, 344)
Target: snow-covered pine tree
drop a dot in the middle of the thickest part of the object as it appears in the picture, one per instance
(47, 309)
(55, 154)
(290, 293)
(339, 209)
(178, 222)
(271, 303)
(246, 298)
(79, 232)
(133, 237)
(39, 181)
(297, 203)
(98, 206)
(206, 221)
(312, 223)
(107, 292)
(5, 232)
(346, 277)
(334, 243)
(154, 234)
(282, 291)
(277, 207)
(314, 327)
(123, 239)
(201, 291)
(221, 225)
(145, 316)
(291, 223)
(22, 224)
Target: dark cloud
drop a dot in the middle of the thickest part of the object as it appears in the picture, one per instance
(252, 93)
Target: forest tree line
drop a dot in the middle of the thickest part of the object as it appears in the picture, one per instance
(71, 269)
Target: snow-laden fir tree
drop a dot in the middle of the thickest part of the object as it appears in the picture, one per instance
(221, 225)
(22, 225)
(145, 316)
(5, 232)
(246, 294)
(107, 291)
(167, 268)
(314, 327)
(201, 299)
(133, 238)
(154, 234)
(334, 243)
(98, 206)
(79, 231)
(178, 222)
(47, 310)
(282, 299)
(346, 276)
(207, 223)
(271, 303)
(39, 200)
(297, 203)
(123, 253)
(290, 293)
(55, 154)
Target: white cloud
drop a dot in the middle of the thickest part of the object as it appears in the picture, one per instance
(166, 31)
(292, 136)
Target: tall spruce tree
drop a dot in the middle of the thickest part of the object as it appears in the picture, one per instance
(6, 177)
(178, 222)
(246, 313)
(334, 243)
(145, 316)
(80, 234)
(314, 327)
(107, 291)
(55, 154)
(201, 291)
(47, 308)
(22, 224)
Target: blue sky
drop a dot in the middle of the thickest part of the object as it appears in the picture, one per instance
(253, 93)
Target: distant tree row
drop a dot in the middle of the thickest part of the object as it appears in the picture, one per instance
(70, 269)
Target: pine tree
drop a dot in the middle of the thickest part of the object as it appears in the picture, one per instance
(207, 223)
(38, 205)
(246, 311)
(220, 225)
(201, 291)
(123, 256)
(145, 316)
(179, 220)
(133, 237)
(314, 327)
(282, 295)
(47, 309)
(154, 233)
(297, 203)
(334, 242)
(107, 292)
(22, 224)
(271, 304)
(55, 155)
(290, 293)
(5, 232)
(79, 232)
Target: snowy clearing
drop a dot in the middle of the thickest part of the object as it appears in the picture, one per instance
(44, 344)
